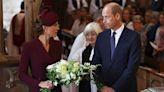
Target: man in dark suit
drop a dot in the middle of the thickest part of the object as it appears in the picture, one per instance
(119, 54)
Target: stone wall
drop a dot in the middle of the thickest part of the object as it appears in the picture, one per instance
(10, 8)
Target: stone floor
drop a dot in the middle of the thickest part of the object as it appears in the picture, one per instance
(16, 86)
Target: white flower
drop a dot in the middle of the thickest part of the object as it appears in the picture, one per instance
(65, 72)
(55, 83)
(62, 61)
(49, 67)
(73, 76)
(87, 64)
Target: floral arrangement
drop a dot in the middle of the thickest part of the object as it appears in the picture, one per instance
(154, 89)
(65, 72)
(147, 90)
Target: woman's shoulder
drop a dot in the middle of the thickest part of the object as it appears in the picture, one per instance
(31, 43)
(56, 42)
(105, 33)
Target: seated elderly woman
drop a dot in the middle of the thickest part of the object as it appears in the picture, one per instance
(85, 54)
(159, 44)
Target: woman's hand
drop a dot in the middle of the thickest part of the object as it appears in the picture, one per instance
(107, 89)
(46, 84)
(160, 49)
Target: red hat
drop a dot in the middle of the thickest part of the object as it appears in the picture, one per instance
(48, 17)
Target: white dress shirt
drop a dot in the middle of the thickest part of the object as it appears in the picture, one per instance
(118, 33)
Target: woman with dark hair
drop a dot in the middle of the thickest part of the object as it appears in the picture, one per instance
(41, 52)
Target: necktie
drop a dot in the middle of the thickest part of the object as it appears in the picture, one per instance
(112, 43)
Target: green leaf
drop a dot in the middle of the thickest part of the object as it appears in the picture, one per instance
(45, 90)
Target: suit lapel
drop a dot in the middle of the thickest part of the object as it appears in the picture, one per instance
(107, 46)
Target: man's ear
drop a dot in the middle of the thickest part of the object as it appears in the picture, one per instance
(118, 16)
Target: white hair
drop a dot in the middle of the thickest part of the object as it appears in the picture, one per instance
(92, 26)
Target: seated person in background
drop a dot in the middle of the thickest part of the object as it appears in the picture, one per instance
(85, 54)
(77, 28)
(76, 4)
(127, 18)
(83, 18)
(41, 52)
(151, 35)
(16, 35)
(95, 5)
(159, 44)
(138, 25)
(80, 40)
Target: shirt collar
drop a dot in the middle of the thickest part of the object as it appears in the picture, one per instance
(119, 30)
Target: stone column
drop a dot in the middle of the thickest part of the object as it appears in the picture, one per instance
(31, 10)
(28, 19)
(1, 29)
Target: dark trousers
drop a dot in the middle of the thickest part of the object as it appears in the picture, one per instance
(84, 86)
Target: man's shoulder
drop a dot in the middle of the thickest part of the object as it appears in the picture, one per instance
(130, 32)
(103, 35)
(105, 32)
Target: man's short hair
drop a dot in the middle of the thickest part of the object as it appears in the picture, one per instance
(138, 18)
(22, 5)
(116, 8)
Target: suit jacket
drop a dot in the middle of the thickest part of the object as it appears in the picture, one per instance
(35, 57)
(120, 71)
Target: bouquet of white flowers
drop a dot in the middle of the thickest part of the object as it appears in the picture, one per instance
(153, 89)
(65, 72)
